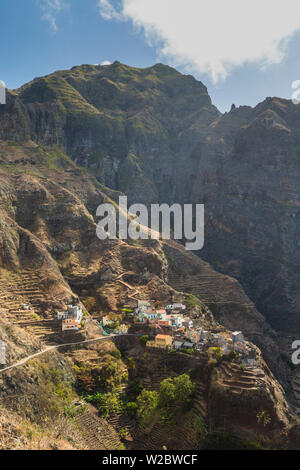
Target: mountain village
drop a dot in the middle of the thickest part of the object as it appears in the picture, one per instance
(174, 330)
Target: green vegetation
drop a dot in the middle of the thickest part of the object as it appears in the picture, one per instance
(189, 351)
(107, 403)
(263, 418)
(232, 356)
(215, 353)
(55, 391)
(57, 159)
(85, 379)
(124, 433)
(192, 301)
(110, 374)
(144, 339)
(173, 395)
(71, 411)
(131, 408)
(131, 363)
(147, 403)
(90, 304)
(113, 374)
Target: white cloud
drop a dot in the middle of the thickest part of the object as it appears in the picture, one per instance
(51, 9)
(106, 62)
(109, 11)
(211, 36)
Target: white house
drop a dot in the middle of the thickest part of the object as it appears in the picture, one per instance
(162, 316)
(71, 318)
(177, 344)
(238, 337)
(161, 311)
(25, 307)
(226, 348)
(176, 307)
(141, 310)
(76, 312)
(123, 329)
(62, 315)
(204, 335)
(219, 340)
(177, 320)
(143, 303)
(107, 321)
(187, 323)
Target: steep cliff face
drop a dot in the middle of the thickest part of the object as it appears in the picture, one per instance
(154, 135)
(50, 256)
(118, 120)
(251, 183)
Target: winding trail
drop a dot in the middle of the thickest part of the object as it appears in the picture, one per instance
(57, 346)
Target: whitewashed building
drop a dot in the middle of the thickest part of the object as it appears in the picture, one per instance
(143, 303)
(107, 321)
(25, 307)
(71, 318)
(176, 307)
(187, 323)
(238, 337)
(123, 329)
(204, 335)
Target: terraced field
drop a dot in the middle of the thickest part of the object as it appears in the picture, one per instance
(296, 387)
(238, 379)
(200, 402)
(25, 287)
(97, 433)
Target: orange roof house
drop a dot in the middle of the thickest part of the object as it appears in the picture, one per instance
(70, 324)
(164, 322)
(161, 342)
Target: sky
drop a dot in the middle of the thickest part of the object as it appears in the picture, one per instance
(242, 51)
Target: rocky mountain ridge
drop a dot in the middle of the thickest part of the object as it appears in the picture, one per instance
(154, 135)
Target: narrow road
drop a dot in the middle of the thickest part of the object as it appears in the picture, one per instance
(57, 346)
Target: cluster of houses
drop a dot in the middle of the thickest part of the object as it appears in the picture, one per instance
(227, 342)
(183, 334)
(175, 330)
(171, 317)
(71, 318)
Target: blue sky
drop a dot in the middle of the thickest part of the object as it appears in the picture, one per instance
(238, 65)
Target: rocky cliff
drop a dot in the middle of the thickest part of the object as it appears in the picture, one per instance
(77, 138)
(155, 135)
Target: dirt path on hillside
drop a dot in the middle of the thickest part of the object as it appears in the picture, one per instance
(51, 348)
